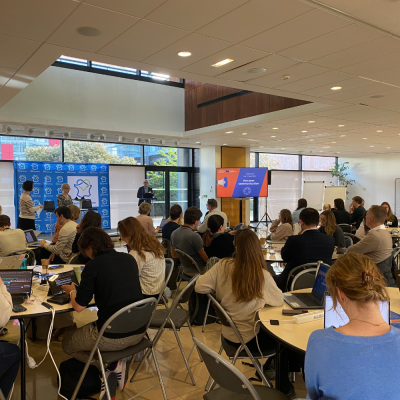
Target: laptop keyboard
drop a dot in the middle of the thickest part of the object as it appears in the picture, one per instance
(308, 299)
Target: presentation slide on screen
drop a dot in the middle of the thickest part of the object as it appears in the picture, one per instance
(242, 182)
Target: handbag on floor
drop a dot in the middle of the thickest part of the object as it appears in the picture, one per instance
(70, 372)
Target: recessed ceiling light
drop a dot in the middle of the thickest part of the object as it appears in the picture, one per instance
(224, 144)
(371, 146)
(342, 135)
(261, 146)
(257, 70)
(304, 131)
(311, 122)
(311, 140)
(336, 88)
(320, 151)
(244, 133)
(198, 142)
(365, 138)
(184, 54)
(227, 133)
(223, 62)
(388, 147)
(282, 148)
(88, 31)
(340, 126)
(273, 136)
(326, 147)
(379, 131)
(333, 142)
(338, 152)
(275, 128)
(377, 96)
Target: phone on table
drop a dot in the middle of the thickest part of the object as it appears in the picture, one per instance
(18, 308)
(56, 266)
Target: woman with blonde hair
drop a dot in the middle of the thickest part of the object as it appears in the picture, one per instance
(148, 253)
(75, 212)
(243, 286)
(327, 207)
(145, 220)
(363, 354)
(64, 199)
(391, 220)
(282, 227)
(328, 226)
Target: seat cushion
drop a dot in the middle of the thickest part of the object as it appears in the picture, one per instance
(230, 350)
(111, 356)
(263, 391)
(178, 317)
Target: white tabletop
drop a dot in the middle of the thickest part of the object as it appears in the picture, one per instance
(296, 336)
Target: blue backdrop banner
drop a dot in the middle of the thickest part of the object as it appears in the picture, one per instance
(86, 180)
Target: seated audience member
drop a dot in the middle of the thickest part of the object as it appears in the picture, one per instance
(342, 216)
(145, 220)
(187, 240)
(75, 212)
(377, 244)
(242, 285)
(362, 230)
(391, 219)
(282, 227)
(180, 220)
(113, 279)
(216, 242)
(90, 219)
(327, 207)
(175, 214)
(148, 253)
(60, 252)
(10, 354)
(10, 239)
(328, 226)
(212, 207)
(357, 211)
(301, 205)
(363, 354)
(309, 246)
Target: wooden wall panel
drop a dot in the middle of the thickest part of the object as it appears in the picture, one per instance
(247, 105)
(233, 157)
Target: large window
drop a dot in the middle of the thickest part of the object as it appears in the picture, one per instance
(167, 156)
(315, 163)
(30, 149)
(279, 161)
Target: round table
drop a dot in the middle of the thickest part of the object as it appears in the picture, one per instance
(295, 337)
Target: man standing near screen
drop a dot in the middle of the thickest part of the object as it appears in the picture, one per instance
(142, 190)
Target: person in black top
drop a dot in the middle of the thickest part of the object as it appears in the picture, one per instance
(175, 213)
(341, 215)
(113, 279)
(216, 242)
(391, 220)
(91, 218)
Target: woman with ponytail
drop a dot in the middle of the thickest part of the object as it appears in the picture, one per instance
(216, 242)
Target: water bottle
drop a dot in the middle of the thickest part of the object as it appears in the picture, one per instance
(24, 264)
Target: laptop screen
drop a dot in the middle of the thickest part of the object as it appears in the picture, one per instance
(57, 280)
(163, 222)
(30, 236)
(18, 282)
(338, 317)
(319, 288)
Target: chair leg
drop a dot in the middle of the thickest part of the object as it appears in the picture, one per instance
(183, 354)
(159, 373)
(140, 364)
(177, 288)
(206, 315)
(103, 372)
(192, 333)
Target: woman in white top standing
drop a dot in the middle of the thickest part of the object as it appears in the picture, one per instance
(148, 253)
(26, 219)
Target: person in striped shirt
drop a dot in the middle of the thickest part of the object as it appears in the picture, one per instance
(60, 252)
(26, 219)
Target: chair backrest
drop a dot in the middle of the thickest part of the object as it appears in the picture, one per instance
(238, 226)
(74, 259)
(187, 261)
(224, 373)
(395, 252)
(304, 279)
(28, 252)
(348, 237)
(167, 247)
(169, 266)
(345, 227)
(299, 268)
(2, 395)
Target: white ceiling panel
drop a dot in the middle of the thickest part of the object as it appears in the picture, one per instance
(110, 23)
(241, 55)
(254, 17)
(137, 8)
(326, 78)
(5, 75)
(27, 19)
(295, 31)
(332, 42)
(297, 72)
(142, 40)
(371, 89)
(362, 52)
(199, 45)
(388, 98)
(192, 14)
(15, 51)
(391, 76)
(270, 64)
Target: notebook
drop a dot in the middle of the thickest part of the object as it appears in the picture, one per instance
(313, 300)
(18, 283)
(56, 281)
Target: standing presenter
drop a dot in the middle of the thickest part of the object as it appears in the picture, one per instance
(26, 219)
(142, 190)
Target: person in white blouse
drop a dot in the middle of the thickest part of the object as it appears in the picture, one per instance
(10, 355)
(148, 253)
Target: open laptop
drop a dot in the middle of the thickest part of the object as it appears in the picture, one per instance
(163, 222)
(338, 317)
(31, 238)
(56, 281)
(313, 300)
(18, 283)
(11, 262)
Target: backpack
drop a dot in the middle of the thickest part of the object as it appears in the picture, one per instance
(70, 372)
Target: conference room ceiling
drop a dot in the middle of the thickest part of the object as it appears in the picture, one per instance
(357, 50)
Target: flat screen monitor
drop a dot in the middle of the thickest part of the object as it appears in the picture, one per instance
(242, 182)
